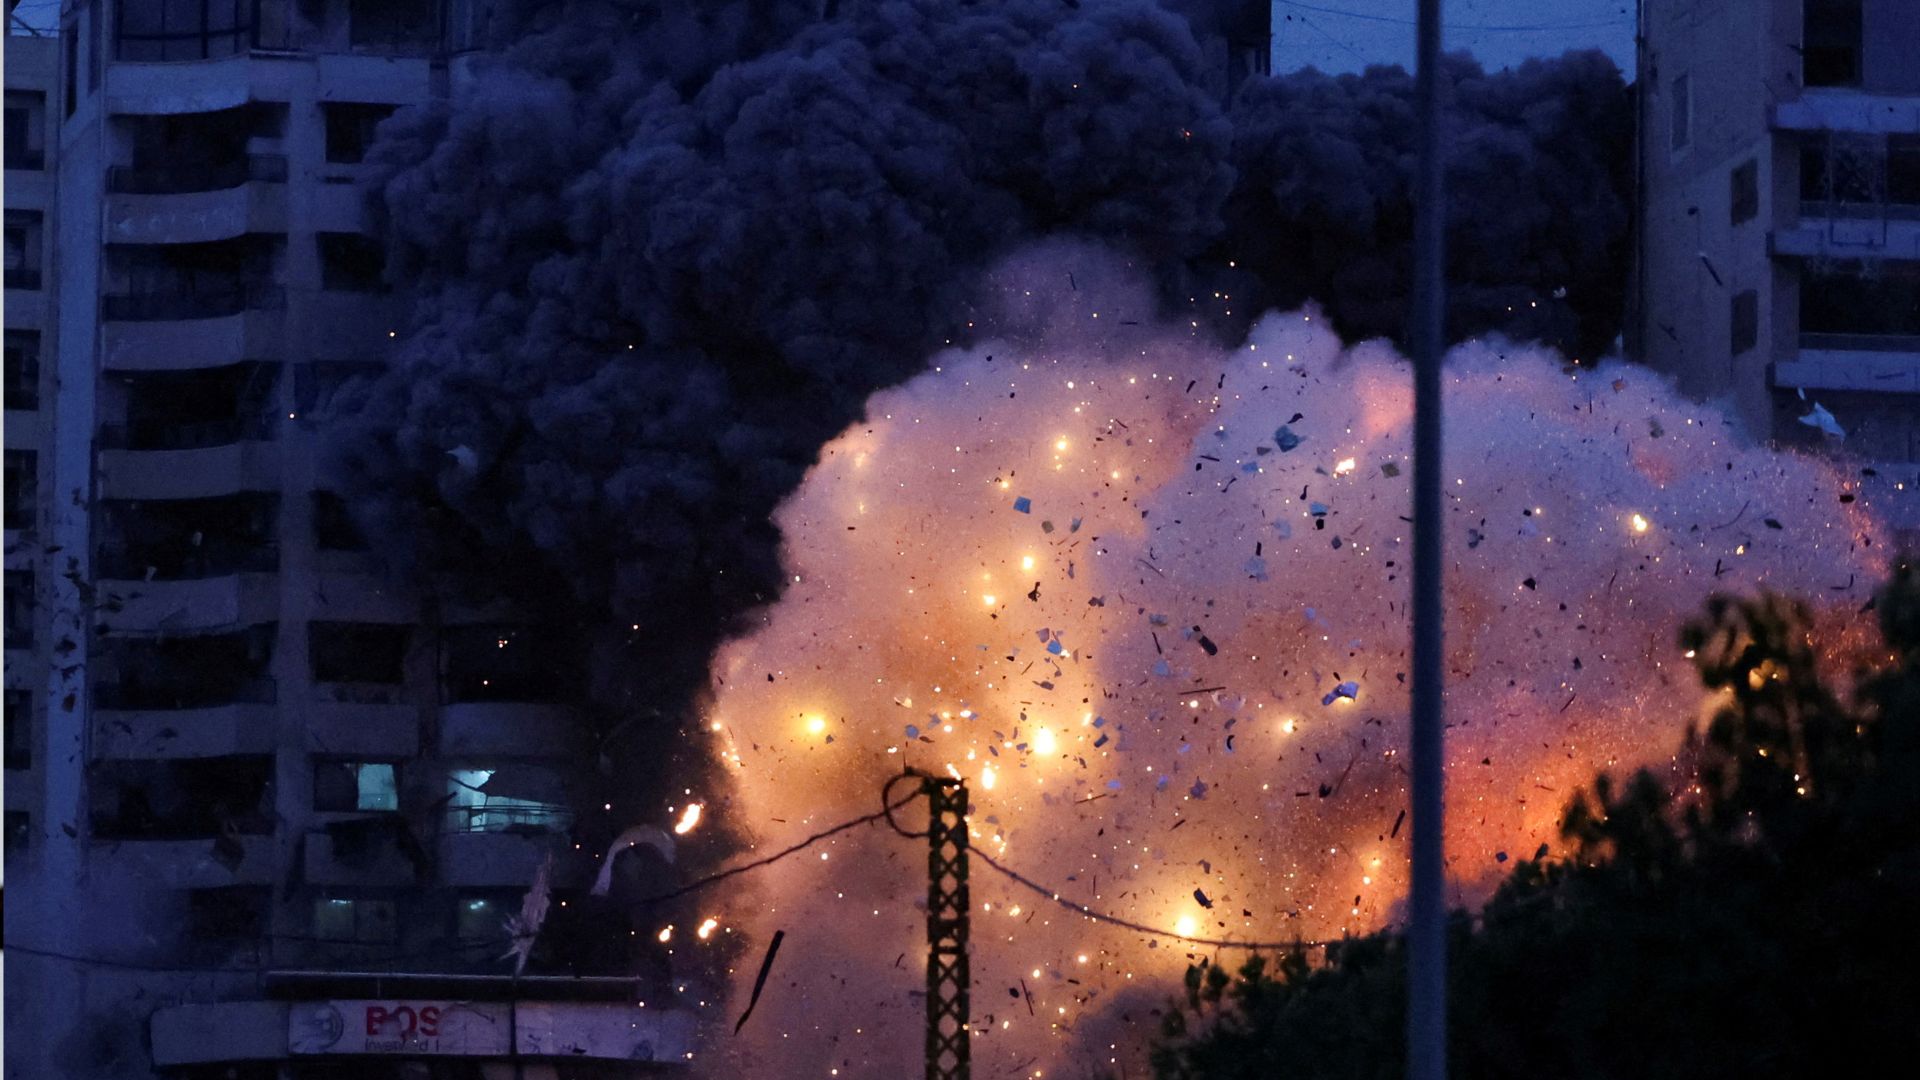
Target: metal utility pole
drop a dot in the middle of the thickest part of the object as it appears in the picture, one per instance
(1427, 925)
(1426, 929)
(949, 976)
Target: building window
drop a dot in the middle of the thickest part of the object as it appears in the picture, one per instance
(1745, 321)
(1682, 118)
(24, 239)
(22, 389)
(350, 129)
(1858, 302)
(343, 652)
(19, 831)
(1830, 43)
(351, 262)
(26, 129)
(519, 797)
(1745, 194)
(19, 729)
(23, 488)
(19, 609)
(411, 26)
(477, 918)
(181, 29)
(345, 787)
(70, 66)
(354, 920)
(333, 526)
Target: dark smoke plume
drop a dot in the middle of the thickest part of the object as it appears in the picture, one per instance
(660, 252)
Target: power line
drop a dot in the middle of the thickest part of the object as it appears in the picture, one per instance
(1115, 920)
(886, 811)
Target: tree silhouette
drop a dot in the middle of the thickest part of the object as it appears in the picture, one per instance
(1754, 920)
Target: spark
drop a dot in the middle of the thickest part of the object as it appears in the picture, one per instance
(688, 819)
(706, 928)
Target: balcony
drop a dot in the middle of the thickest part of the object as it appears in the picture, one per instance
(1833, 109)
(365, 852)
(363, 730)
(251, 205)
(1884, 363)
(488, 729)
(187, 695)
(190, 474)
(185, 864)
(1833, 230)
(222, 730)
(506, 859)
(237, 599)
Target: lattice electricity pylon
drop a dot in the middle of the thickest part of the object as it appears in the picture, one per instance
(949, 976)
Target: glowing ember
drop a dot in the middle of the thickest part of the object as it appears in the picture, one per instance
(1226, 629)
(688, 819)
(666, 934)
(706, 929)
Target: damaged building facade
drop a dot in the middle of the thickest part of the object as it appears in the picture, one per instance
(265, 816)
(1779, 236)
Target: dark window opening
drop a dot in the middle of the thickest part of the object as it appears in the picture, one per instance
(184, 799)
(355, 920)
(1903, 170)
(351, 262)
(350, 129)
(1745, 191)
(23, 488)
(1682, 118)
(190, 410)
(70, 64)
(191, 281)
(23, 370)
(317, 385)
(189, 538)
(181, 29)
(19, 729)
(25, 241)
(199, 151)
(493, 663)
(19, 609)
(26, 129)
(1745, 321)
(194, 671)
(344, 787)
(334, 528)
(1830, 43)
(410, 26)
(19, 831)
(346, 652)
(1862, 305)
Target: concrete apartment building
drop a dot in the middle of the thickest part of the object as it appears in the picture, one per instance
(263, 818)
(1780, 227)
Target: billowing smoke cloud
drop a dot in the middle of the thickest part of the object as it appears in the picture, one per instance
(1537, 164)
(1148, 596)
(661, 252)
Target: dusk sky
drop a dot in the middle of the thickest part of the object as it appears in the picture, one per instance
(1347, 35)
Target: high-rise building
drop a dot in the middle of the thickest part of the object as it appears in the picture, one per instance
(1779, 233)
(265, 816)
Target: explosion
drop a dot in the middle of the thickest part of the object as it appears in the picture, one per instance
(1149, 599)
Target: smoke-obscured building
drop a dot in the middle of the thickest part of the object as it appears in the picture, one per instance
(265, 816)
(1780, 228)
